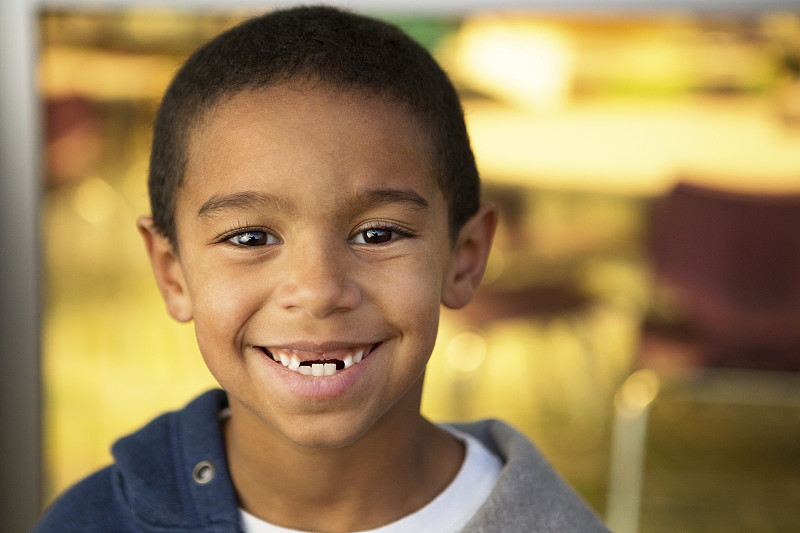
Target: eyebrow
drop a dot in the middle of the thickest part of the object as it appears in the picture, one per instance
(410, 197)
(241, 201)
(256, 200)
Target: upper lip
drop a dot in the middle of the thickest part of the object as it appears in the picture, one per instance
(331, 346)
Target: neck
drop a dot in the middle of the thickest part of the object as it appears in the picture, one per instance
(400, 464)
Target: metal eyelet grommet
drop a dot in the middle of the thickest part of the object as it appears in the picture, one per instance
(203, 472)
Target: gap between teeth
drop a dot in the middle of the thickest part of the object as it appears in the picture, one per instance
(292, 362)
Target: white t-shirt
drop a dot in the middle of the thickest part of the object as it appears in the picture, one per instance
(448, 512)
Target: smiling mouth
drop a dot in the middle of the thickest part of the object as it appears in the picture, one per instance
(318, 364)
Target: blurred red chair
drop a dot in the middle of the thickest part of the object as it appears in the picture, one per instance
(731, 263)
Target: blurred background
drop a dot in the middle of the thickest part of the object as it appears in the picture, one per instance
(640, 317)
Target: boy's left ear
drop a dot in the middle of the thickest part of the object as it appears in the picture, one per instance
(469, 257)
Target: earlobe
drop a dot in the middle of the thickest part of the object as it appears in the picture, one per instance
(167, 270)
(469, 257)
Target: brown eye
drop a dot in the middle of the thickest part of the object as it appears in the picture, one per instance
(377, 236)
(252, 238)
(383, 234)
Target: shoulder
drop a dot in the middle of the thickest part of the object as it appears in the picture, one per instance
(89, 506)
(153, 484)
(529, 494)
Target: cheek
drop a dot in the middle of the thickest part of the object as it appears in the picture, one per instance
(412, 297)
(222, 306)
(222, 312)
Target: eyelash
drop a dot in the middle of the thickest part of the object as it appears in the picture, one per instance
(396, 231)
(242, 230)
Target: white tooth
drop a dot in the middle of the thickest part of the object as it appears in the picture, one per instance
(305, 370)
(348, 361)
(330, 369)
(317, 369)
(294, 362)
(358, 355)
(285, 360)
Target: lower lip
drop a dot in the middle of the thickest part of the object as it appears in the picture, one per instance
(320, 387)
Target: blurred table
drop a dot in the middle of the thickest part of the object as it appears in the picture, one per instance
(638, 146)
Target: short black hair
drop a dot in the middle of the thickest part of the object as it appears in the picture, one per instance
(327, 46)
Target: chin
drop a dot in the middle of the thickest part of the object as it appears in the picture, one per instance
(321, 432)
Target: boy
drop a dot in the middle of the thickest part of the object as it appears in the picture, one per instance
(315, 200)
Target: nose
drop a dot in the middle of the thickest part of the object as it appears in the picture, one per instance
(317, 282)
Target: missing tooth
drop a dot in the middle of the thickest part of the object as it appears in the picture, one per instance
(339, 364)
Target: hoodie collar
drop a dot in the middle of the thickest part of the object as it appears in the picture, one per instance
(173, 472)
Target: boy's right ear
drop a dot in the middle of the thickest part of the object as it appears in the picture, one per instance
(167, 269)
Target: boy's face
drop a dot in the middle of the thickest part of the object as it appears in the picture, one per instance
(311, 228)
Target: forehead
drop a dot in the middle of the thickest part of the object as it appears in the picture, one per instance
(295, 131)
